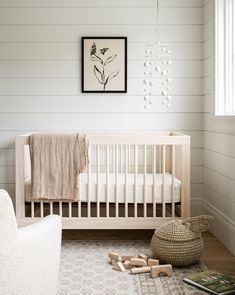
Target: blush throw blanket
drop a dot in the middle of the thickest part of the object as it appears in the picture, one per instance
(56, 162)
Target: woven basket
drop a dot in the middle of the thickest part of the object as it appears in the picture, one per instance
(179, 242)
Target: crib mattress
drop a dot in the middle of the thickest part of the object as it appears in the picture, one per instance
(121, 188)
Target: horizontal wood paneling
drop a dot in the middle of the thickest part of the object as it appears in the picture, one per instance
(73, 33)
(220, 201)
(72, 50)
(220, 143)
(7, 174)
(100, 15)
(102, 121)
(72, 69)
(97, 103)
(7, 157)
(100, 3)
(70, 86)
(220, 183)
(220, 163)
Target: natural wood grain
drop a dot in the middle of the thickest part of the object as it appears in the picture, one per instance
(215, 256)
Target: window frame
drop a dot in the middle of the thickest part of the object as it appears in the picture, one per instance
(224, 58)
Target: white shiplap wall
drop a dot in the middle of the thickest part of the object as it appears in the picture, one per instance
(40, 71)
(219, 149)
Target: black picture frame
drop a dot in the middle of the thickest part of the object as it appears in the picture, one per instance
(96, 59)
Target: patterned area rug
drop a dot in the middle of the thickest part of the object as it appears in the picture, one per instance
(85, 270)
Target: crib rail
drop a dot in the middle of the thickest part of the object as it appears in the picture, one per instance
(127, 161)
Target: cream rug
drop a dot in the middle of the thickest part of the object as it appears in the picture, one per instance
(85, 270)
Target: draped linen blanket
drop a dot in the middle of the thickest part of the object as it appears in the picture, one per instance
(56, 162)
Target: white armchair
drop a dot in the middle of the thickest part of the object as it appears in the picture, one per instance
(29, 256)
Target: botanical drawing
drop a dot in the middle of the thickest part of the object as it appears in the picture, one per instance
(100, 69)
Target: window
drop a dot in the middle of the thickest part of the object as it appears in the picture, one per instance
(224, 57)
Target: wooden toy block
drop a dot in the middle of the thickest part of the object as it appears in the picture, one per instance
(137, 270)
(115, 256)
(142, 256)
(113, 262)
(118, 266)
(127, 264)
(127, 257)
(138, 262)
(165, 269)
(153, 262)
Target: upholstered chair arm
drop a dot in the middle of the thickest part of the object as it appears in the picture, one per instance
(34, 259)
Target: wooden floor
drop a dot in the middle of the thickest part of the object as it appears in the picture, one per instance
(215, 256)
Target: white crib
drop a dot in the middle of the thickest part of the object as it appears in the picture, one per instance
(135, 180)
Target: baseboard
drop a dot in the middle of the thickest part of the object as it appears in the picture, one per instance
(223, 228)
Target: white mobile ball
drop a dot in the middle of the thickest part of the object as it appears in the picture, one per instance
(145, 81)
(150, 63)
(151, 83)
(150, 74)
(150, 102)
(145, 106)
(169, 62)
(164, 93)
(169, 89)
(169, 105)
(146, 98)
(169, 71)
(157, 69)
(150, 93)
(169, 80)
(163, 102)
(169, 97)
(146, 73)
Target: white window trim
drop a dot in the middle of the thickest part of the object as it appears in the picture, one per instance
(224, 58)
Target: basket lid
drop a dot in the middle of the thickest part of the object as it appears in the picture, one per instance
(176, 230)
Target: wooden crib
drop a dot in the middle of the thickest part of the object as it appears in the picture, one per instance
(135, 180)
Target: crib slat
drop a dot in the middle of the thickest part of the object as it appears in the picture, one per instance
(89, 184)
(173, 180)
(107, 180)
(51, 207)
(32, 209)
(41, 209)
(60, 208)
(98, 179)
(129, 158)
(120, 170)
(70, 209)
(145, 206)
(154, 179)
(126, 171)
(116, 182)
(113, 158)
(160, 159)
(163, 180)
(79, 209)
(135, 179)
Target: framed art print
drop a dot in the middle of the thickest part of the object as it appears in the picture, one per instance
(104, 64)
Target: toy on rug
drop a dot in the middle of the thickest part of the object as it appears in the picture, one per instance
(179, 242)
(139, 264)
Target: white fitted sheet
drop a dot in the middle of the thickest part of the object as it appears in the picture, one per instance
(121, 188)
